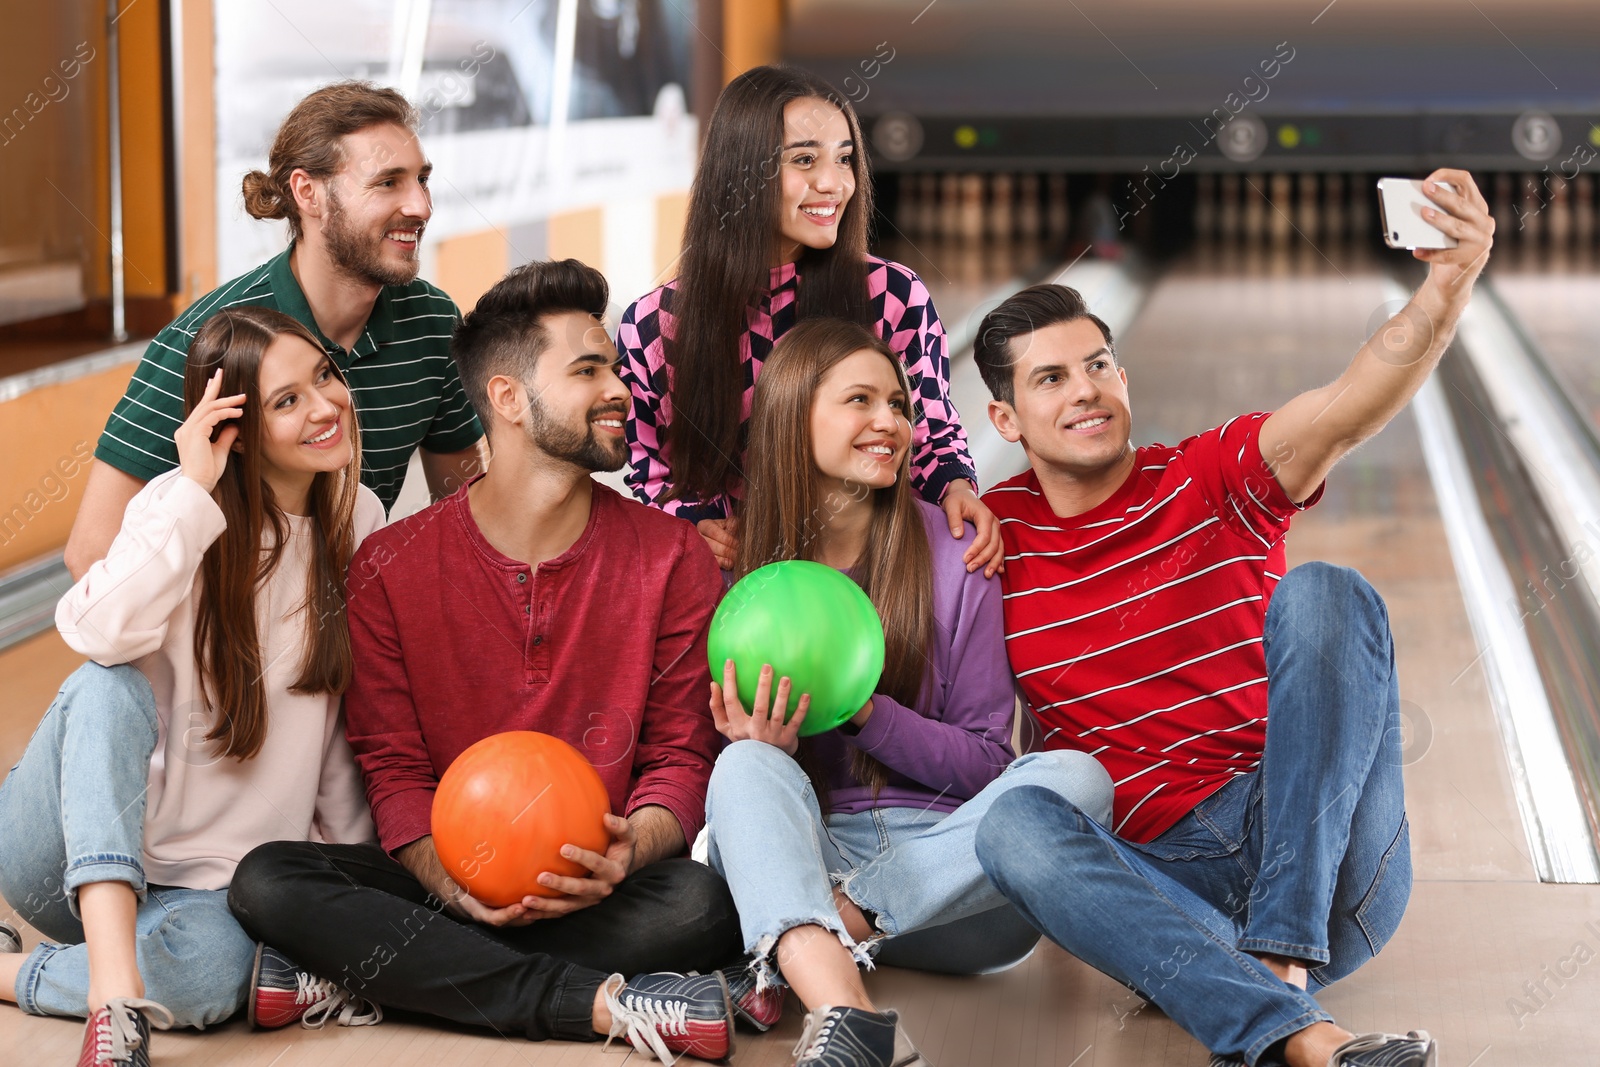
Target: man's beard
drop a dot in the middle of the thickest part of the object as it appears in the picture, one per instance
(360, 255)
(582, 448)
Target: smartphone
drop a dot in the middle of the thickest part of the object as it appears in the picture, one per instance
(1400, 204)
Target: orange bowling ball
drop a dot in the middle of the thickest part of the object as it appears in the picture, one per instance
(506, 806)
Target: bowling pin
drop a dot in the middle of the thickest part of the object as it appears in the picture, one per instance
(928, 184)
(1229, 224)
(1030, 223)
(1363, 192)
(1056, 212)
(970, 225)
(1505, 220)
(1001, 221)
(1583, 212)
(1559, 212)
(1530, 210)
(1205, 208)
(1306, 208)
(1280, 217)
(949, 205)
(908, 207)
(1333, 211)
(1255, 209)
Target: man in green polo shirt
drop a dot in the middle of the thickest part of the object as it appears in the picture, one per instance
(347, 172)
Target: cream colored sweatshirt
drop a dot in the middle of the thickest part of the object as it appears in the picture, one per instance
(203, 811)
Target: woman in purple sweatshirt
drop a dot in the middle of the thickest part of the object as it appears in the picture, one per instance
(857, 844)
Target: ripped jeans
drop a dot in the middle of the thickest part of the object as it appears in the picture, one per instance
(915, 871)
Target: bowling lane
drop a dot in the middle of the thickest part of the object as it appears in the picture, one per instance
(1558, 310)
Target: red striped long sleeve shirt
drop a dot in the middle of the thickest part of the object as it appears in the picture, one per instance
(1135, 628)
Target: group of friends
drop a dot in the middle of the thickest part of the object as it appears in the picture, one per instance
(228, 806)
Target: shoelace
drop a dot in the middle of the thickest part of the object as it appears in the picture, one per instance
(816, 1033)
(118, 1038)
(641, 1020)
(326, 998)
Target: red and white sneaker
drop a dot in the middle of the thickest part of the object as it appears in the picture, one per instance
(281, 993)
(118, 1035)
(659, 1014)
(761, 1009)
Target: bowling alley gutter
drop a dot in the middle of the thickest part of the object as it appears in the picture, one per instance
(1493, 397)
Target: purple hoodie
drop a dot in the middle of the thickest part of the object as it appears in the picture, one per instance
(958, 738)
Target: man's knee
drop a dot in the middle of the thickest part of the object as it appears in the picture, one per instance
(263, 889)
(1010, 832)
(698, 895)
(1075, 776)
(699, 923)
(1317, 594)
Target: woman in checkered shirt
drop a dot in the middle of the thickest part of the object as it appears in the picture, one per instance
(782, 194)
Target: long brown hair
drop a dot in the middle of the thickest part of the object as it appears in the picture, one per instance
(785, 510)
(227, 644)
(311, 139)
(727, 263)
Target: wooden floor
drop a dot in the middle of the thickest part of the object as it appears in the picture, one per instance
(1504, 970)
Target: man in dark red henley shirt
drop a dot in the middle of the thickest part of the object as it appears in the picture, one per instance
(533, 599)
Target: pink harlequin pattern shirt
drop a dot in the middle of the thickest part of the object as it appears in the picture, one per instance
(905, 319)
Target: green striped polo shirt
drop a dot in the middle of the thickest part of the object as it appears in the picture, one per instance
(404, 383)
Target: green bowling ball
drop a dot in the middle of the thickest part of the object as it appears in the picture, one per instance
(814, 625)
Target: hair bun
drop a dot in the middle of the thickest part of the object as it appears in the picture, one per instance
(263, 199)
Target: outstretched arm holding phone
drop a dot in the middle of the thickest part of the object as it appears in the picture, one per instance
(1304, 439)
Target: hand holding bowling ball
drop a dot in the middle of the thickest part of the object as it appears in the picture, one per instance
(522, 815)
(814, 626)
(768, 720)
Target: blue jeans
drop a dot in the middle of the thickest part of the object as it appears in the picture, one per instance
(913, 869)
(72, 813)
(1308, 857)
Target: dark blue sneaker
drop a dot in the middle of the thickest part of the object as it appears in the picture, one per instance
(847, 1037)
(281, 993)
(760, 1010)
(1415, 1049)
(118, 1035)
(660, 1014)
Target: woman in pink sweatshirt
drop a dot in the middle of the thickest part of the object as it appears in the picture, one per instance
(208, 721)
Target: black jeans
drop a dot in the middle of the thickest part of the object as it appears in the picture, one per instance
(352, 914)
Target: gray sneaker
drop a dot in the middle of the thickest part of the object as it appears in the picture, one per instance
(847, 1037)
(10, 939)
(1415, 1049)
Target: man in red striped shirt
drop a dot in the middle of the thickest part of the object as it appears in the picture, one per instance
(1258, 849)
